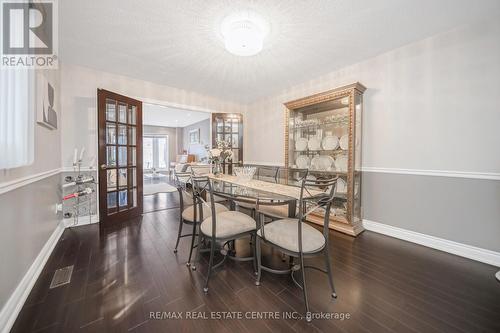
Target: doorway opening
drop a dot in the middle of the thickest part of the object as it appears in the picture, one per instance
(173, 139)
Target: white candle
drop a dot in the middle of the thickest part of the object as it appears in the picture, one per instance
(92, 161)
(75, 156)
(81, 153)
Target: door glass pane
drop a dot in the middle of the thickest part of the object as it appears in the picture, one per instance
(220, 126)
(220, 137)
(235, 140)
(227, 126)
(131, 136)
(122, 113)
(132, 112)
(133, 157)
(110, 133)
(162, 153)
(236, 156)
(110, 110)
(122, 177)
(122, 198)
(122, 156)
(111, 179)
(122, 134)
(111, 156)
(235, 125)
(111, 199)
(227, 138)
(147, 153)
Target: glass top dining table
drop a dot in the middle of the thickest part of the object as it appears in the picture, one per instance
(267, 190)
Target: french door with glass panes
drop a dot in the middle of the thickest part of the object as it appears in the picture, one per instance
(120, 157)
(229, 127)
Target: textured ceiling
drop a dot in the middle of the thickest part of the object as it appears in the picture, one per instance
(177, 43)
(158, 115)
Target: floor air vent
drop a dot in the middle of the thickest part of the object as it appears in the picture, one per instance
(61, 277)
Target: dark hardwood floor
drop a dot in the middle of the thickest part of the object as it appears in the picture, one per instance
(384, 284)
(160, 201)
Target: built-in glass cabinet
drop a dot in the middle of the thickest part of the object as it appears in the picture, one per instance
(323, 134)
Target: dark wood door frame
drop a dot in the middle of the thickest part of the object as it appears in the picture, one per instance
(134, 190)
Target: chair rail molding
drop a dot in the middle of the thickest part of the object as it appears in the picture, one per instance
(463, 250)
(437, 173)
(23, 181)
(278, 164)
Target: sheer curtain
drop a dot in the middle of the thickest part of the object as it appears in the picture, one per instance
(16, 114)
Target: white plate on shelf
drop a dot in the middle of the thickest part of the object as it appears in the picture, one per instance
(344, 142)
(302, 162)
(341, 163)
(315, 163)
(341, 186)
(321, 162)
(330, 142)
(301, 144)
(314, 143)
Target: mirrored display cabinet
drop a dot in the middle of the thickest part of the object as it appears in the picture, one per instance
(323, 134)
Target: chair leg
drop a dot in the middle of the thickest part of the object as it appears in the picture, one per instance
(257, 254)
(210, 264)
(304, 289)
(329, 270)
(198, 250)
(181, 223)
(253, 242)
(192, 245)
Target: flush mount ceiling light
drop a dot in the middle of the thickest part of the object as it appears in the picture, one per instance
(244, 33)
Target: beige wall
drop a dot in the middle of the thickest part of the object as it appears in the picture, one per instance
(431, 105)
(79, 102)
(197, 149)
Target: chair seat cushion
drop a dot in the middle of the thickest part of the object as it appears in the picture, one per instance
(284, 233)
(188, 213)
(229, 223)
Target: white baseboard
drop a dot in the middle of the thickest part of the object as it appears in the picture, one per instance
(14, 304)
(463, 250)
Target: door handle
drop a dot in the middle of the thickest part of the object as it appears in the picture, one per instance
(103, 167)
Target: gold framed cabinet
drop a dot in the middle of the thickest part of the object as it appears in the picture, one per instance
(323, 134)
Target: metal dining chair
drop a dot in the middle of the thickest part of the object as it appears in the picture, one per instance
(275, 212)
(190, 212)
(220, 227)
(298, 239)
(262, 172)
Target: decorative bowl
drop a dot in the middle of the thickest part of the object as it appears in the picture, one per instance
(244, 173)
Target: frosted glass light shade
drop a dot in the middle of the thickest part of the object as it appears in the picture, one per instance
(244, 33)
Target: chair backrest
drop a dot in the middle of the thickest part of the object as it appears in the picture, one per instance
(268, 173)
(314, 194)
(182, 179)
(202, 188)
(292, 174)
(317, 194)
(201, 169)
